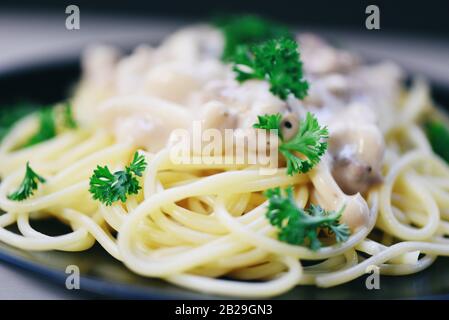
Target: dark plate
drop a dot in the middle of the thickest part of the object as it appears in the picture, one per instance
(106, 277)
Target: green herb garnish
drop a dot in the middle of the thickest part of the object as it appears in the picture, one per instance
(276, 61)
(28, 185)
(110, 187)
(247, 30)
(309, 141)
(269, 122)
(301, 226)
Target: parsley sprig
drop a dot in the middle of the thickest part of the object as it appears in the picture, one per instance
(275, 60)
(302, 226)
(269, 122)
(28, 185)
(309, 141)
(245, 30)
(111, 187)
(261, 49)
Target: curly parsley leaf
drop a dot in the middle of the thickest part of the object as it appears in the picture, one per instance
(275, 60)
(110, 187)
(302, 226)
(28, 185)
(340, 230)
(270, 122)
(138, 164)
(309, 142)
(248, 29)
(438, 136)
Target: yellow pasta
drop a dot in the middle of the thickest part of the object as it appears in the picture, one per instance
(202, 226)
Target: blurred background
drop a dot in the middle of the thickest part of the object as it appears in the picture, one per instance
(414, 34)
(424, 17)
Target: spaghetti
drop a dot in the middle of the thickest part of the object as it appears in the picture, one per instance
(203, 226)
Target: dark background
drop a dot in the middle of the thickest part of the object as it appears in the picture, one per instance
(430, 17)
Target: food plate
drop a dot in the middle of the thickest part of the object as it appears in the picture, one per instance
(103, 276)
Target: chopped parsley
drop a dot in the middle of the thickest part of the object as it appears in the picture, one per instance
(111, 187)
(276, 61)
(28, 185)
(302, 226)
(269, 122)
(246, 30)
(309, 141)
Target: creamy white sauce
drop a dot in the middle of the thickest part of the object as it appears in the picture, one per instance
(187, 73)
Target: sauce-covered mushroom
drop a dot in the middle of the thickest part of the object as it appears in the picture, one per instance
(356, 147)
(289, 126)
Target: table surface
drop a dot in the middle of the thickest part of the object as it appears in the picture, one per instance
(29, 38)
